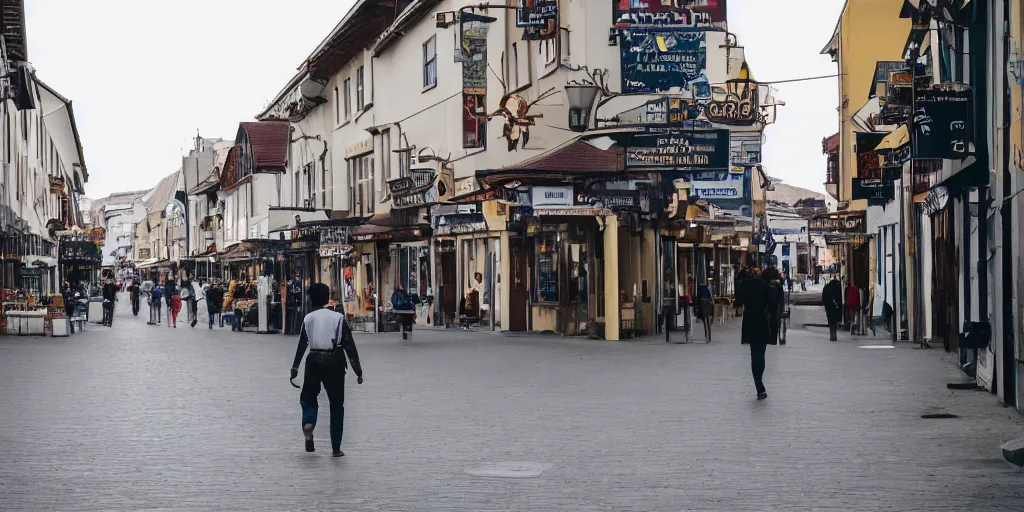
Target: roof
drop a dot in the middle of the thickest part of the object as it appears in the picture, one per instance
(269, 141)
(577, 156)
(830, 144)
(897, 139)
(363, 23)
(58, 113)
(156, 199)
(12, 24)
(415, 12)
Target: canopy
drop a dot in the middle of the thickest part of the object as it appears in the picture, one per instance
(897, 139)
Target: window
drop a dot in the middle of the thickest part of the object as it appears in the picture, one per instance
(360, 92)
(430, 62)
(547, 267)
(404, 163)
(337, 107)
(298, 193)
(385, 163)
(360, 176)
(348, 98)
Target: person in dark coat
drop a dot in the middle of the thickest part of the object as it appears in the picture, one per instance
(832, 298)
(776, 301)
(752, 296)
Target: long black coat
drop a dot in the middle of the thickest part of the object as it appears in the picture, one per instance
(832, 298)
(752, 295)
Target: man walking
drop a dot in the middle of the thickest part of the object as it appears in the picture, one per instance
(327, 334)
(109, 298)
(752, 296)
(832, 298)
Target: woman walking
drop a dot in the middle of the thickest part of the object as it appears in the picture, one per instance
(752, 296)
(173, 301)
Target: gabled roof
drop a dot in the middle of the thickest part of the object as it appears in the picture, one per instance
(156, 199)
(62, 128)
(577, 156)
(269, 141)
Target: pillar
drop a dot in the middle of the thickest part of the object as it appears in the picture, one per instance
(611, 278)
(505, 271)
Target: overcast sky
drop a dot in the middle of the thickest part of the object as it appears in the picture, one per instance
(144, 75)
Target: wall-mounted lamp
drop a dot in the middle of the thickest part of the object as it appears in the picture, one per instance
(581, 104)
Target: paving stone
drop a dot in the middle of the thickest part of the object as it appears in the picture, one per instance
(146, 417)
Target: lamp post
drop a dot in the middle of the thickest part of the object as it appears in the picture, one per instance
(581, 105)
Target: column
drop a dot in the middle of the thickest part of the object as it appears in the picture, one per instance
(505, 271)
(611, 278)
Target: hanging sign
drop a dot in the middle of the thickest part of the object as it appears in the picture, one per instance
(538, 19)
(473, 56)
(660, 60)
(706, 14)
(460, 223)
(704, 149)
(850, 223)
(334, 235)
(876, 191)
(868, 165)
(941, 122)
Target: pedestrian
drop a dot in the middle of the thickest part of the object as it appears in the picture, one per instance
(327, 335)
(109, 298)
(752, 296)
(214, 301)
(134, 293)
(832, 298)
(776, 301)
(69, 305)
(156, 295)
(173, 301)
(401, 301)
(705, 309)
(852, 303)
(188, 297)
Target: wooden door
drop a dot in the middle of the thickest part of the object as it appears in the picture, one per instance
(518, 288)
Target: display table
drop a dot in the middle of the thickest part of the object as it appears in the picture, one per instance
(26, 323)
(95, 314)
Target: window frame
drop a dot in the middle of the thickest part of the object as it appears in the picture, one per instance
(430, 62)
(337, 107)
(360, 88)
(348, 98)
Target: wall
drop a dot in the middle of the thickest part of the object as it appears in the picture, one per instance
(870, 31)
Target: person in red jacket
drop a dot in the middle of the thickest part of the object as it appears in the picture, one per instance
(852, 303)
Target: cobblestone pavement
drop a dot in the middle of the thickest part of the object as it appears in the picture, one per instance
(140, 417)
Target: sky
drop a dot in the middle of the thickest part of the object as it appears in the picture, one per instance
(144, 75)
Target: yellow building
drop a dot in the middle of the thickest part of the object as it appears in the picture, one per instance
(868, 31)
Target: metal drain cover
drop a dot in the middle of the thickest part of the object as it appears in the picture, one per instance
(510, 470)
(876, 346)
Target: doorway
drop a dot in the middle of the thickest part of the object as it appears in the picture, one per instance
(518, 294)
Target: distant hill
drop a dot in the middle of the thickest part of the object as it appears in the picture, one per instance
(788, 194)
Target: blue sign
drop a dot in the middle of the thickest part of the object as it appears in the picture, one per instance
(727, 190)
(659, 60)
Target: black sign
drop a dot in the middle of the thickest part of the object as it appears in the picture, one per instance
(941, 123)
(401, 186)
(850, 223)
(460, 223)
(79, 253)
(876, 191)
(538, 18)
(613, 199)
(704, 149)
(334, 235)
(658, 60)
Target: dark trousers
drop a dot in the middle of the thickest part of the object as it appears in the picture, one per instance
(832, 328)
(108, 313)
(326, 368)
(757, 351)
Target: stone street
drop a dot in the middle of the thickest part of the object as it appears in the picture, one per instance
(147, 417)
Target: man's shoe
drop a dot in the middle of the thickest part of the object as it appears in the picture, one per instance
(339, 453)
(307, 432)
(762, 395)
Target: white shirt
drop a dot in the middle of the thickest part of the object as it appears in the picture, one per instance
(323, 327)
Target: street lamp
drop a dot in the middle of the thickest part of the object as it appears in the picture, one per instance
(581, 104)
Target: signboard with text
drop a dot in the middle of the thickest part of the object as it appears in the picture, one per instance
(660, 60)
(703, 149)
(690, 14)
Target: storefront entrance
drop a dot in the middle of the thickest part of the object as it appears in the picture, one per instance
(518, 293)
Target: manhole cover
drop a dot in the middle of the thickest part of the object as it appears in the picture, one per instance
(510, 470)
(939, 416)
(877, 346)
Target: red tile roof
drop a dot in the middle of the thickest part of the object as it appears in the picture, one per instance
(576, 157)
(269, 141)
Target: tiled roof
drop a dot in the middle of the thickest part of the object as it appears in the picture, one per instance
(575, 157)
(269, 140)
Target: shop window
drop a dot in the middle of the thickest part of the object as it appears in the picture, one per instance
(547, 267)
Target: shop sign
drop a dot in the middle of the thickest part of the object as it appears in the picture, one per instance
(459, 224)
(613, 199)
(537, 18)
(717, 185)
(334, 235)
(334, 250)
(941, 122)
(401, 186)
(663, 111)
(552, 196)
(853, 223)
(703, 14)
(422, 198)
(876, 191)
(838, 239)
(79, 252)
(703, 149)
(660, 60)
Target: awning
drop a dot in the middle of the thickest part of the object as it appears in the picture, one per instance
(897, 139)
(460, 223)
(378, 233)
(239, 252)
(40, 261)
(152, 263)
(287, 219)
